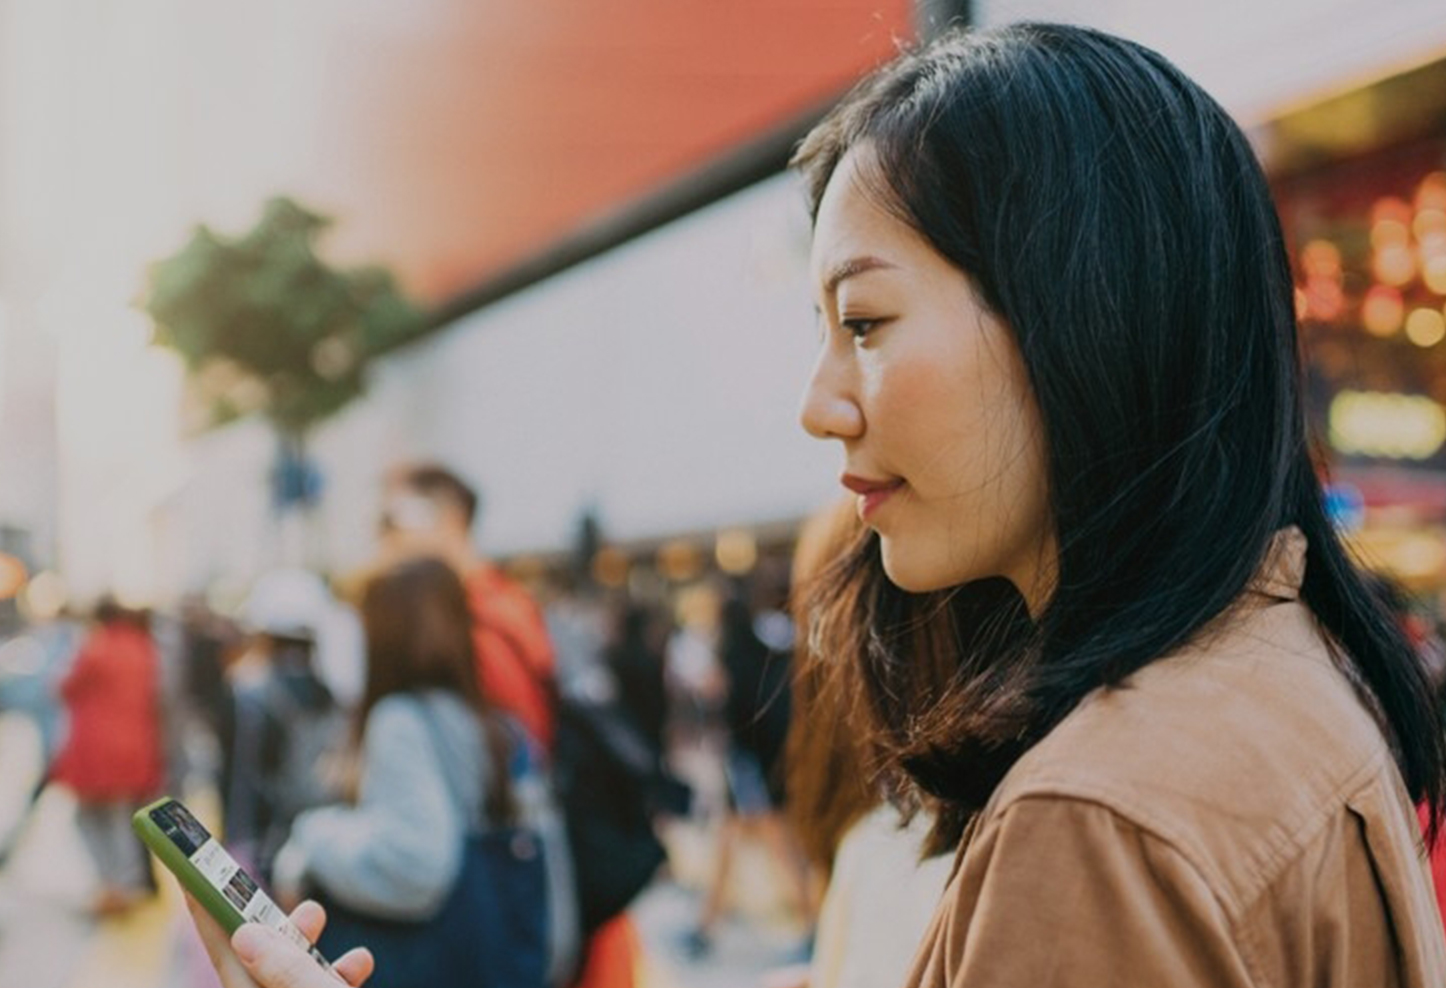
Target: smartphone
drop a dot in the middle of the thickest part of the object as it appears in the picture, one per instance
(207, 871)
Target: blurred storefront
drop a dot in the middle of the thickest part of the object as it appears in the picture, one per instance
(1361, 183)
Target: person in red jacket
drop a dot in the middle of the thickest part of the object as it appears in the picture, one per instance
(112, 758)
(429, 511)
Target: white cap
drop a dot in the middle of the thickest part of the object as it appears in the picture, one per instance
(288, 603)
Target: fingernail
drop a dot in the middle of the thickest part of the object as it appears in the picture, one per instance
(248, 942)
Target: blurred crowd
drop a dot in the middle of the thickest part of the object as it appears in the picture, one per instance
(305, 714)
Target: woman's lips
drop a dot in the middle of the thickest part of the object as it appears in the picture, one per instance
(872, 493)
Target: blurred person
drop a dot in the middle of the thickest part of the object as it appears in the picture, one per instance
(429, 511)
(207, 640)
(1104, 620)
(283, 733)
(435, 766)
(697, 686)
(635, 658)
(112, 758)
(32, 666)
(754, 651)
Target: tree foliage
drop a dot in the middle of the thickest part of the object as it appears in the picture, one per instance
(265, 325)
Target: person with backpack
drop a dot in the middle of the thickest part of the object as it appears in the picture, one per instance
(451, 862)
(282, 734)
(603, 776)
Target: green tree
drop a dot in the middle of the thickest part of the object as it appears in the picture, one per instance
(265, 325)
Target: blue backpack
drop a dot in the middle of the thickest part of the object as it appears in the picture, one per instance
(493, 931)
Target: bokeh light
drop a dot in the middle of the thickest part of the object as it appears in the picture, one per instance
(1390, 233)
(1431, 193)
(610, 567)
(736, 551)
(1395, 265)
(1390, 208)
(45, 596)
(1321, 259)
(12, 576)
(1433, 273)
(1425, 327)
(1383, 311)
(680, 560)
(1394, 426)
(1429, 225)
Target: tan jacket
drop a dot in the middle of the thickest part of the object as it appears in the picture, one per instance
(1233, 818)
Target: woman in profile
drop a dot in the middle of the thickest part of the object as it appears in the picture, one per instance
(1103, 619)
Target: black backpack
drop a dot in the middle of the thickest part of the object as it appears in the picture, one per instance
(610, 783)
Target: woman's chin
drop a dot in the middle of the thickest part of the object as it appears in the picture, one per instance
(912, 576)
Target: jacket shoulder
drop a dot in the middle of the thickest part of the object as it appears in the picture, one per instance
(1236, 751)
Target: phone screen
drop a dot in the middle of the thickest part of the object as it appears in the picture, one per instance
(213, 864)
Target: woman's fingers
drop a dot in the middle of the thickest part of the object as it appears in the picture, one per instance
(355, 966)
(275, 962)
(310, 919)
(259, 957)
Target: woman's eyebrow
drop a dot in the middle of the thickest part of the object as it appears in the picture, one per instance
(847, 269)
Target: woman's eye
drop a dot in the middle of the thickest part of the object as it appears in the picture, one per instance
(859, 328)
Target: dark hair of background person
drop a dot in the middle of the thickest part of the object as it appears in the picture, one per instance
(109, 611)
(436, 482)
(634, 653)
(419, 637)
(830, 774)
(1115, 217)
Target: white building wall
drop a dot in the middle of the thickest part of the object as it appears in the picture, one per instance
(657, 385)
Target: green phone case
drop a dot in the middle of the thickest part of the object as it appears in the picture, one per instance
(189, 876)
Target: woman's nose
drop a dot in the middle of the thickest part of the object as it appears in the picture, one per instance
(829, 409)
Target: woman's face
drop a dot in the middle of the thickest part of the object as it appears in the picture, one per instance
(927, 392)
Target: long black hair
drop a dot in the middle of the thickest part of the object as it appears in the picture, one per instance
(1117, 220)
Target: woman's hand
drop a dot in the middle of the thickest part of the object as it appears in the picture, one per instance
(257, 957)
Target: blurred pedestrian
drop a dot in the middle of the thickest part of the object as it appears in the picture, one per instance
(755, 654)
(429, 511)
(634, 655)
(207, 641)
(435, 767)
(697, 685)
(112, 757)
(283, 736)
